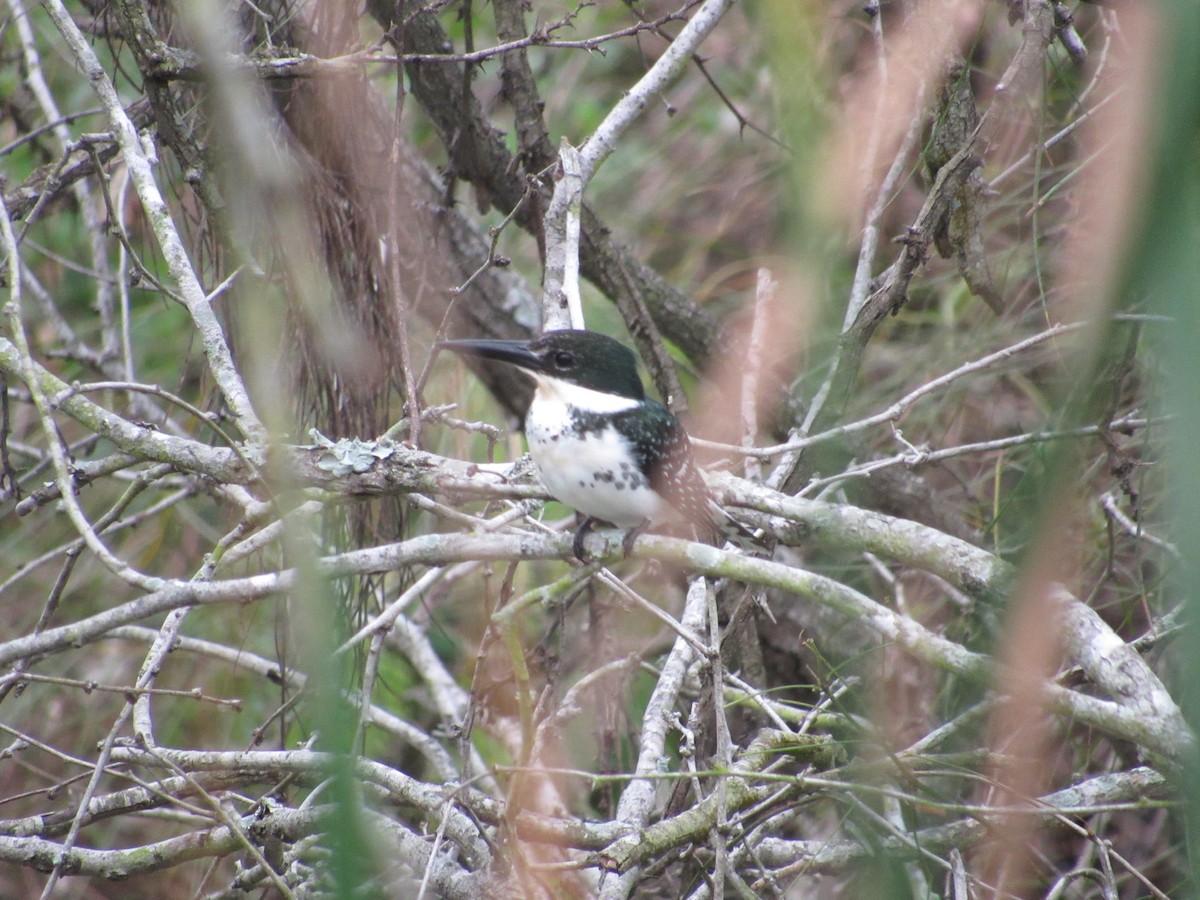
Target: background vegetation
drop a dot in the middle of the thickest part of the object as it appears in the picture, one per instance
(276, 613)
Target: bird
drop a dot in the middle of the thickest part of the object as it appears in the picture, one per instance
(599, 443)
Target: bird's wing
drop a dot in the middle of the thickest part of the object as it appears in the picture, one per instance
(665, 454)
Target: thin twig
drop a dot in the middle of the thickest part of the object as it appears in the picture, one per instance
(212, 338)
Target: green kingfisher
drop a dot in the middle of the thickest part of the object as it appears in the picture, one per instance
(600, 444)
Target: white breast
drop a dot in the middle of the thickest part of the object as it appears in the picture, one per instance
(590, 471)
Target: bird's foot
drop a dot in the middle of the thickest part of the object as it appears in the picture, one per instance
(580, 533)
(632, 535)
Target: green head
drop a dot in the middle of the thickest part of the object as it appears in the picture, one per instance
(584, 358)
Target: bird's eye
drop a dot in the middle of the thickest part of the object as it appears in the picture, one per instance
(563, 359)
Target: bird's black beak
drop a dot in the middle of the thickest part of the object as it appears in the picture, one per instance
(515, 352)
